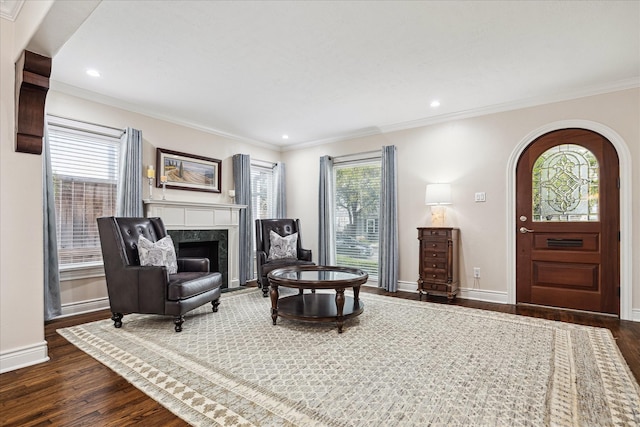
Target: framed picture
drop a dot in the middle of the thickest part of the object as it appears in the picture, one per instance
(184, 171)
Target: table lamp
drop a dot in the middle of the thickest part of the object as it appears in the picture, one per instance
(437, 196)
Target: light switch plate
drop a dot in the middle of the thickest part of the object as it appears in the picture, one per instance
(481, 197)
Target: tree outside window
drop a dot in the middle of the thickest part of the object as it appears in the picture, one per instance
(357, 205)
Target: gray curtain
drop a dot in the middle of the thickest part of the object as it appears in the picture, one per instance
(52, 306)
(280, 190)
(388, 231)
(326, 252)
(129, 198)
(242, 184)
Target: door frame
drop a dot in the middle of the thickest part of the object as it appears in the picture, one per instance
(624, 156)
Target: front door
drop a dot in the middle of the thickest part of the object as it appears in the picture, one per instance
(567, 208)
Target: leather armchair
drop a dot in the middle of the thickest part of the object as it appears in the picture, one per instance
(283, 227)
(133, 288)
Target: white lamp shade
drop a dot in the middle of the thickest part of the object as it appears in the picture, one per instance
(438, 194)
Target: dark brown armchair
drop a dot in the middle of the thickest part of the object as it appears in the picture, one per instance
(133, 288)
(282, 227)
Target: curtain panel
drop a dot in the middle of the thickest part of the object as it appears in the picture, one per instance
(388, 231)
(280, 196)
(129, 192)
(52, 304)
(242, 184)
(326, 251)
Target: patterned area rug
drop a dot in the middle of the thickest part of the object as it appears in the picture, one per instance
(400, 363)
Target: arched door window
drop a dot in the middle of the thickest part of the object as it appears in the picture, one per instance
(565, 185)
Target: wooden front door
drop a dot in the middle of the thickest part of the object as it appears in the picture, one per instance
(568, 215)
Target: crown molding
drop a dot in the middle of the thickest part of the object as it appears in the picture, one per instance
(374, 130)
(516, 105)
(9, 9)
(360, 133)
(118, 103)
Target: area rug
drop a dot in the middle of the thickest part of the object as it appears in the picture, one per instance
(400, 363)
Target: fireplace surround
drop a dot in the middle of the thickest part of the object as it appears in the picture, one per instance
(204, 230)
(211, 244)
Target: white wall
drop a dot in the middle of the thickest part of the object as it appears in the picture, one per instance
(21, 300)
(472, 154)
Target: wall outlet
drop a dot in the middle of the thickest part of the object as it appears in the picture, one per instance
(476, 272)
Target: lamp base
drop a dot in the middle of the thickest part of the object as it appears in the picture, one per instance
(437, 216)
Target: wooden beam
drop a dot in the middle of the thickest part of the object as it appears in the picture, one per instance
(32, 83)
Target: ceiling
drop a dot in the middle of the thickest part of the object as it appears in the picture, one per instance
(321, 71)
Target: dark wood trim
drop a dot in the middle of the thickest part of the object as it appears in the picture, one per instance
(75, 389)
(32, 84)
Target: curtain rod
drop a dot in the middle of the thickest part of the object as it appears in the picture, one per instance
(263, 163)
(122, 131)
(365, 155)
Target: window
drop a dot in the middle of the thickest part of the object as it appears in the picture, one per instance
(262, 190)
(84, 162)
(357, 205)
(565, 185)
(262, 193)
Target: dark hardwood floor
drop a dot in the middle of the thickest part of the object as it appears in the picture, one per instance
(73, 389)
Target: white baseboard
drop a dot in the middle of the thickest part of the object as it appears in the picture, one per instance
(466, 293)
(23, 357)
(80, 307)
(635, 314)
(484, 295)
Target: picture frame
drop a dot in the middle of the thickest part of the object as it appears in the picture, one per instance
(188, 171)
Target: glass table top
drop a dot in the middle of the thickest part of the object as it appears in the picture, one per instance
(326, 274)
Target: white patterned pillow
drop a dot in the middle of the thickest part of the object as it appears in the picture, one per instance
(158, 254)
(283, 247)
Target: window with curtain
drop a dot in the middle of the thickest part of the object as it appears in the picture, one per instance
(357, 207)
(262, 191)
(84, 162)
(262, 195)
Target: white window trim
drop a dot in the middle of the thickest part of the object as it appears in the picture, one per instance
(70, 272)
(81, 271)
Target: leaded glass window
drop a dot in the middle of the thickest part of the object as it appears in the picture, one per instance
(565, 185)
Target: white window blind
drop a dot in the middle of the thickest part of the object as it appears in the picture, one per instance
(262, 191)
(84, 161)
(357, 207)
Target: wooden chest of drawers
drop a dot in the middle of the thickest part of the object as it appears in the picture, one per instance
(438, 273)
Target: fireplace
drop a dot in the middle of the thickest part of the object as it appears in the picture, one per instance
(211, 244)
(205, 230)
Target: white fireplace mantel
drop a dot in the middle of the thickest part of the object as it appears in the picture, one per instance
(202, 216)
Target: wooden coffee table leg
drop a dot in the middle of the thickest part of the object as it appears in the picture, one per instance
(356, 293)
(340, 307)
(274, 294)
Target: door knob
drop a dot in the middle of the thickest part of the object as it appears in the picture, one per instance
(525, 230)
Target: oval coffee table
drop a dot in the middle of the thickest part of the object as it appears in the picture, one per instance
(317, 307)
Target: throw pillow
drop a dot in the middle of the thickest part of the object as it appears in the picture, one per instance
(158, 254)
(283, 247)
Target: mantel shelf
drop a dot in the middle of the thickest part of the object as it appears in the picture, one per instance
(205, 205)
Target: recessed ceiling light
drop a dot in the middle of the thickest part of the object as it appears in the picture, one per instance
(285, 136)
(435, 104)
(93, 73)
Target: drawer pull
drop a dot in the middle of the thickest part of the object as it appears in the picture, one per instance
(435, 265)
(435, 255)
(435, 245)
(435, 275)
